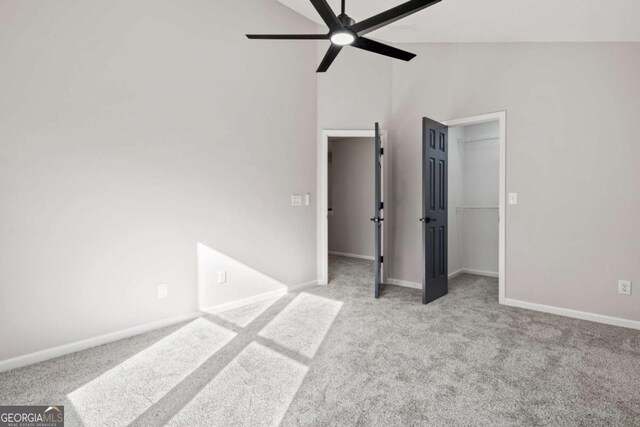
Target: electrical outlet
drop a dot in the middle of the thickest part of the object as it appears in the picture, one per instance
(296, 200)
(163, 290)
(624, 287)
(222, 276)
(513, 198)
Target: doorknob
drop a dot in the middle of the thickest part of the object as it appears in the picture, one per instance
(376, 219)
(426, 219)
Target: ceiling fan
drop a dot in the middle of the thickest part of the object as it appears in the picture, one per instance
(343, 30)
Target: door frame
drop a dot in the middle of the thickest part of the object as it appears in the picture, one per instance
(323, 195)
(501, 117)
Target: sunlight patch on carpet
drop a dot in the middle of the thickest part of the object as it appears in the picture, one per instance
(121, 394)
(303, 324)
(255, 388)
(243, 316)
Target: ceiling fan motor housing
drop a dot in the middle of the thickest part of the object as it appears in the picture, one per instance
(346, 20)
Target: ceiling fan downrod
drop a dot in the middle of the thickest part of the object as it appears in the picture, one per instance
(345, 19)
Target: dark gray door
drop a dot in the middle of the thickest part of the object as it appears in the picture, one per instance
(434, 210)
(377, 214)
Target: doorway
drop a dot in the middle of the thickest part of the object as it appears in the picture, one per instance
(476, 197)
(346, 197)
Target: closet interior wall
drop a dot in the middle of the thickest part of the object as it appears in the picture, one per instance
(474, 169)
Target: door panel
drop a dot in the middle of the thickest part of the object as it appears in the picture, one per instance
(377, 214)
(434, 210)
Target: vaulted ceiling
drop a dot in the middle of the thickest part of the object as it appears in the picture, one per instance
(498, 20)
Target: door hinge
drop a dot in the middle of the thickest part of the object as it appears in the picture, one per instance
(381, 259)
(382, 151)
(381, 205)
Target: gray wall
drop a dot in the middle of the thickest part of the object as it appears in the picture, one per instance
(572, 151)
(129, 132)
(352, 194)
(355, 92)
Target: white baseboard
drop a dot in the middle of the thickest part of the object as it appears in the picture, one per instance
(301, 286)
(219, 308)
(418, 285)
(478, 272)
(61, 350)
(367, 257)
(576, 314)
(456, 273)
(404, 283)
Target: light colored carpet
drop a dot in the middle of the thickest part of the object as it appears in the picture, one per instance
(336, 356)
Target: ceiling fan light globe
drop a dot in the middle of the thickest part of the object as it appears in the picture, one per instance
(342, 38)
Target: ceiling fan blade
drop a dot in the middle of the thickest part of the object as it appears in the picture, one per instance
(331, 54)
(288, 36)
(327, 15)
(391, 15)
(382, 49)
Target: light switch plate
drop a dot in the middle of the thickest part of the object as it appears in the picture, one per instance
(222, 276)
(624, 287)
(513, 198)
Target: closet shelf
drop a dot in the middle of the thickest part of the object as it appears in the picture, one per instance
(479, 138)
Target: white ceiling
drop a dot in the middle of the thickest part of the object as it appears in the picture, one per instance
(498, 20)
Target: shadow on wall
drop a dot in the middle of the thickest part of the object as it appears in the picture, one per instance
(224, 283)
